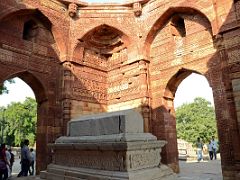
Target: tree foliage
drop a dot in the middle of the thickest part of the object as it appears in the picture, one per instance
(20, 121)
(196, 119)
(3, 88)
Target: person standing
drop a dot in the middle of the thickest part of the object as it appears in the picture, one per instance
(12, 158)
(32, 164)
(3, 163)
(21, 172)
(25, 158)
(210, 150)
(199, 145)
(214, 147)
(8, 157)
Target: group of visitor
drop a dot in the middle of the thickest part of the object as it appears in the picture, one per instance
(212, 149)
(7, 160)
(27, 159)
(3, 163)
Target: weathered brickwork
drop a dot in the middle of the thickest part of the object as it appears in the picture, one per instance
(183, 44)
(82, 58)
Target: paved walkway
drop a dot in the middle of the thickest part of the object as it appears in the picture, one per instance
(205, 170)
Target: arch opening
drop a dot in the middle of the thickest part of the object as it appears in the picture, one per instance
(30, 109)
(178, 23)
(18, 120)
(177, 49)
(30, 30)
(192, 109)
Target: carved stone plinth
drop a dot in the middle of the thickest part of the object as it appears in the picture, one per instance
(111, 148)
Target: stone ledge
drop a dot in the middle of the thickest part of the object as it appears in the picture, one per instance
(61, 172)
(111, 143)
(117, 146)
(129, 137)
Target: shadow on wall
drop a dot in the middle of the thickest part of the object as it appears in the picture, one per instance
(39, 56)
(222, 70)
(28, 51)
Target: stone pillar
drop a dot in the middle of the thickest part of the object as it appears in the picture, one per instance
(225, 84)
(144, 80)
(41, 145)
(164, 122)
(66, 101)
(169, 120)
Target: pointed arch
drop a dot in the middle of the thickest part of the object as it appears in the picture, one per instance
(48, 21)
(103, 38)
(165, 17)
(34, 82)
(120, 32)
(175, 81)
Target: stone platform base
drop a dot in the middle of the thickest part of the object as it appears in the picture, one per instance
(109, 146)
(56, 172)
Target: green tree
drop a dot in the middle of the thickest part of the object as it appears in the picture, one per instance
(21, 121)
(196, 119)
(3, 88)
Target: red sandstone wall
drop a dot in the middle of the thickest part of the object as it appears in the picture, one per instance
(34, 60)
(143, 72)
(171, 53)
(89, 85)
(123, 83)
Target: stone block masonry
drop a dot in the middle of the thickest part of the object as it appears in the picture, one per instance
(84, 58)
(114, 147)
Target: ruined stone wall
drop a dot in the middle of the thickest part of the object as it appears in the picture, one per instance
(226, 87)
(29, 51)
(200, 51)
(184, 45)
(96, 58)
(120, 86)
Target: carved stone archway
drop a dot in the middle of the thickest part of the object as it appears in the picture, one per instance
(28, 51)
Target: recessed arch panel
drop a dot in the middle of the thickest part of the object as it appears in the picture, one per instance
(104, 39)
(46, 20)
(166, 16)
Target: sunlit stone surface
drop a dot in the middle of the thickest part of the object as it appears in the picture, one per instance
(108, 146)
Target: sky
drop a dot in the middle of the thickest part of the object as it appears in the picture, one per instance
(18, 92)
(193, 86)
